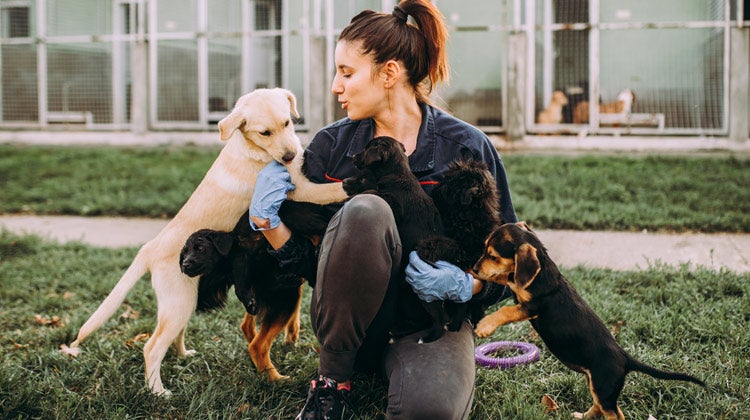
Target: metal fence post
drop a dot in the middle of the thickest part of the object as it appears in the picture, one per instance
(139, 107)
(739, 92)
(517, 69)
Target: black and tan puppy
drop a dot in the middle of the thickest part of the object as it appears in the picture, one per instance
(567, 325)
(469, 206)
(384, 171)
(240, 258)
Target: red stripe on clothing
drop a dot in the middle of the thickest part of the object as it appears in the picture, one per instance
(330, 178)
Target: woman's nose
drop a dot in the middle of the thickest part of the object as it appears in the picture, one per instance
(337, 87)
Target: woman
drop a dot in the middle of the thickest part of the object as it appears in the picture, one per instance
(385, 70)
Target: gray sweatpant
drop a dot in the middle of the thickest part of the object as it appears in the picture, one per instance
(353, 308)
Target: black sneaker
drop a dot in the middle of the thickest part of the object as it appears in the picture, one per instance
(325, 401)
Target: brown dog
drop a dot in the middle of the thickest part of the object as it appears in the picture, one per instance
(258, 130)
(240, 258)
(623, 104)
(514, 256)
(553, 113)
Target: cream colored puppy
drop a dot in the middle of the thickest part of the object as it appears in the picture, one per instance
(553, 113)
(258, 130)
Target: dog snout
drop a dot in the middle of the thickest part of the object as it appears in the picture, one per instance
(348, 185)
(190, 267)
(288, 156)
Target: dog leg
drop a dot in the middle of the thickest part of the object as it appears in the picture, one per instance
(179, 345)
(604, 389)
(437, 313)
(292, 327)
(248, 328)
(173, 290)
(153, 354)
(260, 348)
(502, 316)
(311, 192)
(605, 386)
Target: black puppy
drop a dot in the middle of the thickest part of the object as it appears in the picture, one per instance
(469, 205)
(384, 171)
(514, 256)
(240, 258)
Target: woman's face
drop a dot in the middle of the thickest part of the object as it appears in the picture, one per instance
(360, 94)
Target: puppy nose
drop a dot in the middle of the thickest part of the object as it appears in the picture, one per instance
(288, 156)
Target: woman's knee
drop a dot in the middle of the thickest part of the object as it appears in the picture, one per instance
(367, 210)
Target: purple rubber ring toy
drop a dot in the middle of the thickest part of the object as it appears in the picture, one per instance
(530, 353)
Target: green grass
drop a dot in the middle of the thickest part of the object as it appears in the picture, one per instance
(601, 192)
(686, 319)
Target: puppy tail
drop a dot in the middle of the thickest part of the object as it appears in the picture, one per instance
(635, 365)
(113, 301)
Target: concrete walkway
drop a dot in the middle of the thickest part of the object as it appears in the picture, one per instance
(616, 250)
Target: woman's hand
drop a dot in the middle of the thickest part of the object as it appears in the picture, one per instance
(441, 281)
(271, 186)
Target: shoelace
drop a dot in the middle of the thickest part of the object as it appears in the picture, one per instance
(327, 393)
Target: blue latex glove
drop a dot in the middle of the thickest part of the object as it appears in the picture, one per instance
(441, 281)
(271, 186)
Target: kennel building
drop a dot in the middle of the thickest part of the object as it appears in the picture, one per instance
(150, 66)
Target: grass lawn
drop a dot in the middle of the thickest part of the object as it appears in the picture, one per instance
(690, 320)
(616, 192)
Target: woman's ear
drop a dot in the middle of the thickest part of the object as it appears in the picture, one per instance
(391, 73)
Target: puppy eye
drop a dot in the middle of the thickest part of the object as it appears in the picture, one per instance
(286, 124)
(265, 133)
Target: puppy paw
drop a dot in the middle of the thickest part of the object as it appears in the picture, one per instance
(274, 375)
(164, 393)
(484, 328)
(70, 351)
(188, 353)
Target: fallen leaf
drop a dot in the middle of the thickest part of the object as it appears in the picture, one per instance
(216, 339)
(140, 337)
(549, 404)
(244, 408)
(54, 321)
(130, 313)
(68, 295)
(615, 329)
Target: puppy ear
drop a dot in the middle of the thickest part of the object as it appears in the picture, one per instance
(371, 156)
(292, 103)
(527, 266)
(229, 124)
(223, 242)
(468, 195)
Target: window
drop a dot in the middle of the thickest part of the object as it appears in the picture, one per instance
(15, 22)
